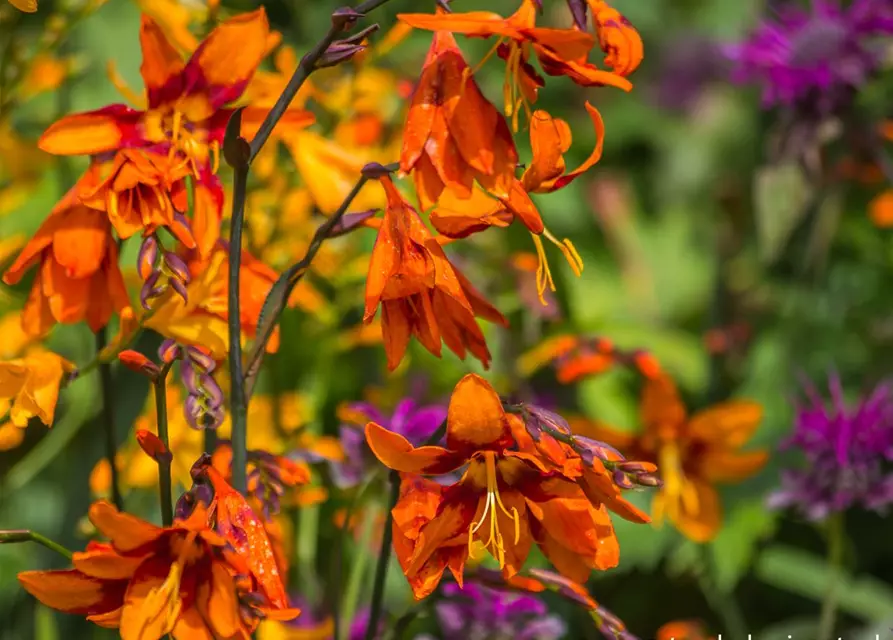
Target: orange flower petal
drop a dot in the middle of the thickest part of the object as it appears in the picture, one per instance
(552, 184)
(125, 531)
(72, 592)
(92, 132)
(471, 23)
(161, 61)
(229, 56)
(105, 563)
(726, 466)
(396, 452)
(475, 418)
(729, 424)
(702, 523)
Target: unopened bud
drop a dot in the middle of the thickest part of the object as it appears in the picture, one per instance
(345, 18)
(375, 171)
(147, 257)
(176, 266)
(169, 351)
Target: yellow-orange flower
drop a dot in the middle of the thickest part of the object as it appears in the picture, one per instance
(28, 6)
(693, 453)
(29, 388)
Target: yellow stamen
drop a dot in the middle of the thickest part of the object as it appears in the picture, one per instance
(570, 252)
(163, 603)
(121, 85)
(543, 273)
(495, 542)
(679, 494)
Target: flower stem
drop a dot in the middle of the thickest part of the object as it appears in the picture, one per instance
(836, 540)
(26, 535)
(164, 463)
(238, 402)
(108, 418)
(240, 158)
(384, 558)
(358, 572)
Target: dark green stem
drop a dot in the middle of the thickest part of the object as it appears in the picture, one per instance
(240, 159)
(384, 558)
(238, 403)
(836, 540)
(107, 418)
(286, 283)
(164, 462)
(26, 535)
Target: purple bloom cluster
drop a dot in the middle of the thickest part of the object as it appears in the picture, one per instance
(476, 612)
(415, 423)
(814, 59)
(847, 453)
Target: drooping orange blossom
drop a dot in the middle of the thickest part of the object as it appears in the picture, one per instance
(78, 275)
(619, 40)
(419, 290)
(505, 501)
(29, 388)
(150, 581)
(694, 453)
(561, 52)
(186, 110)
(550, 139)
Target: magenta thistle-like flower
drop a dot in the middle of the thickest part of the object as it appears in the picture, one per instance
(847, 453)
(814, 59)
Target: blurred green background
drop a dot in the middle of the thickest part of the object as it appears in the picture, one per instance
(683, 227)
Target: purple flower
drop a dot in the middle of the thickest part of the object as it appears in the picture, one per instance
(688, 65)
(847, 451)
(814, 60)
(415, 423)
(481, 613)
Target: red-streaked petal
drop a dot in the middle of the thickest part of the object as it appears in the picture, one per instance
(92, 132)
(162, 65)
(71, 591)
(225, 62)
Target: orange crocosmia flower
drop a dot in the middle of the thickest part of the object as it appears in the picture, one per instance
(78, 276)
(419, 290)
(453, 135)
(683, 630)
(29, 388)
(149, 581)
(561, 52)
(693, 454)
(505, 501)
(142, 191)
(619, 40)
(184, 111)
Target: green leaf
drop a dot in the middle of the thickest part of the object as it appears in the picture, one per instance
(781, 195)
(804, 574)
(733, 549)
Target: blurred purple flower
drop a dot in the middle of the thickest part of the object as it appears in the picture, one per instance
(687, 66)
(415, 423)
(846, 451)
(481, 613)
(814, 60)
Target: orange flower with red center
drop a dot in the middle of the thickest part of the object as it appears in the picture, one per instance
(693, 453)
(419, 290)
(185, 112)
(78, 276)
(505, 501)
(561, 52)
(141, 192)
(149, 581)
(453, 135)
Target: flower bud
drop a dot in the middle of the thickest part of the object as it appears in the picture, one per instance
(344, 18)
(176, 266)
(169, 351)
(139, 363)
(147, 257)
